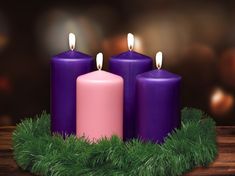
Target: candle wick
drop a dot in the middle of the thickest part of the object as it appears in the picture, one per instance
(158, 66)
(99, 67)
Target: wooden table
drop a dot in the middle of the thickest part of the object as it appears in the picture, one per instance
(223, 165)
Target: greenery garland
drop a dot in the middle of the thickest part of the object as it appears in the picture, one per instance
(37, 151)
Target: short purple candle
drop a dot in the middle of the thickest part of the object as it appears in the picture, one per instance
(65, 68)
(128, 65)
(158, 103)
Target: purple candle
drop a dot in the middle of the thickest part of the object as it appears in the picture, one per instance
(65, 68)
(128, 65)
(158, 103)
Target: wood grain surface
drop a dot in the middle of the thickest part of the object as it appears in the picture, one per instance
(223, 165)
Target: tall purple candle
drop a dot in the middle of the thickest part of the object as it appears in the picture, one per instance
(158, 103)
(65, 68)
(128, 65)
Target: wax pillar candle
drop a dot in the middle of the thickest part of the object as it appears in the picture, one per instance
(158, 103)
(65, 68)
(99, 104)
(128, 65)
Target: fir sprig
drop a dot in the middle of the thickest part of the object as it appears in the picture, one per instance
(37, 151)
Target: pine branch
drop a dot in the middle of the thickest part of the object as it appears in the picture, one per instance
(37, 151)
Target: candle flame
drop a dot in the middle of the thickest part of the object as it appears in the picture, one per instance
(99, 61)
(130, 41)
(159, 60)
(72, 41)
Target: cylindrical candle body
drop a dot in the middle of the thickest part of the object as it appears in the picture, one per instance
(158, 104)
(128, 65)
(65, 68)
(99, 105)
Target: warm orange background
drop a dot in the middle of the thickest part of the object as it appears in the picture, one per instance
(197, 38)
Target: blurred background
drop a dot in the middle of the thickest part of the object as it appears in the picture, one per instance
(197, 38)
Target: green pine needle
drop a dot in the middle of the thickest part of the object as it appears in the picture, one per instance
(37, 151)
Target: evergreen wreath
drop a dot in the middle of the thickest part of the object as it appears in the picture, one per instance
(37, 151)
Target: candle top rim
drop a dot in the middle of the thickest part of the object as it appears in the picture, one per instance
(100, 76)
(72, 54)
(131, 55)
(159, 75)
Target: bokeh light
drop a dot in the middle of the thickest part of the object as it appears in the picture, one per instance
(166, 31)
(221, 102)
(118, 44)
(5, 85)
(208, 23)
(4, 32)
(227, 67)
(53, 29)
(197, 39)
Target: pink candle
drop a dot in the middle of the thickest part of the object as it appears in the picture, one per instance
(99, 104)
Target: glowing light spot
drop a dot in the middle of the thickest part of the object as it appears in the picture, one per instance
(130, 41)
(221, 102)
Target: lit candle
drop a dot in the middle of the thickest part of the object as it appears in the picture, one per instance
(65, 68)
(128, 65)
(99, 104)
(158, 103)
